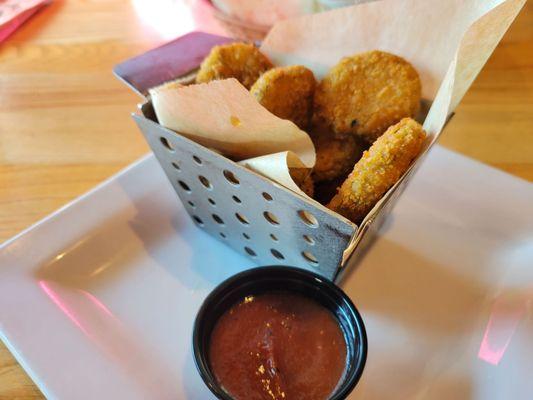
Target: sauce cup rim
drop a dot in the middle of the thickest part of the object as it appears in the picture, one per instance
(324, 290)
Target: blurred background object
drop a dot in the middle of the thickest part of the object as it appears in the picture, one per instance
(13, 13)
(251, 19)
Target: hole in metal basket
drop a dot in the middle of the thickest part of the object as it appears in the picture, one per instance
(250, 251)
(184, 186)
(191, 204)
(242, 219)
(308, 218)
(197, 160)
(271, 218)
(274, 237)
(166, 143)
(205, 182)
(230, 176)
(223, 235)
(211, 201)
(175, 165)
(310, 257)
(217, 219)
(267, 196)
(309, 240)
(198, 220)
(236, 200)
(246, 236)
(277, 254)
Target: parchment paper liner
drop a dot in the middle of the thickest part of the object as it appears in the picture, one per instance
(448, 42)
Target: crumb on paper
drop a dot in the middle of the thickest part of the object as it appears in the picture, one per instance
(235, 121)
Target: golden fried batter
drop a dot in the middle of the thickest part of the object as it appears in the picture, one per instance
(308, 186)
(366, 93)
(379, 168)
(335, 157)
(303, 179)
(287, 92)
(242, 61)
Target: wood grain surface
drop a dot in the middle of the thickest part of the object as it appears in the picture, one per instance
(65, 124)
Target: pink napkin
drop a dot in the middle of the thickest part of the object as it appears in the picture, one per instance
(13, 13)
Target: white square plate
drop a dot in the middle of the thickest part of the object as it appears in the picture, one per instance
(97, 301)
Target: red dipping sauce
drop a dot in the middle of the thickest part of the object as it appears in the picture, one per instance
(278, 345)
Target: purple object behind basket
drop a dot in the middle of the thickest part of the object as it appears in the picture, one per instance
(167, 62)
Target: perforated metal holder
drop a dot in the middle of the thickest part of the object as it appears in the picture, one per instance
(248, 212)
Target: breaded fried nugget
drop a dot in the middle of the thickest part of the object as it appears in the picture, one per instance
(308, 186)
(379, 168)
(287, 92)
(303, 179)
(367, 93)
(242, 61)
(334, 157)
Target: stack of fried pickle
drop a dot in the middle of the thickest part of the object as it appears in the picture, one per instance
(359, 118)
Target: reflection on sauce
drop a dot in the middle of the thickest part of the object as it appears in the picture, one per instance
(278, 345)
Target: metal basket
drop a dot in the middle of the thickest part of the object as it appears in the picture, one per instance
(248, 212)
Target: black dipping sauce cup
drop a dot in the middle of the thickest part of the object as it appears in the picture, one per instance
(287, 279)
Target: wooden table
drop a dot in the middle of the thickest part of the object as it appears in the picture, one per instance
(65, 125)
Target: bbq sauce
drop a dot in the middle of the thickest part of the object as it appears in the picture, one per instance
(278, 346)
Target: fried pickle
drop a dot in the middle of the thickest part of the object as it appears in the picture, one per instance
(365, 94)
(287, 92)
(335, 157)
(308, 186)
(303, 179)
(242, 61)
(379, 168)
